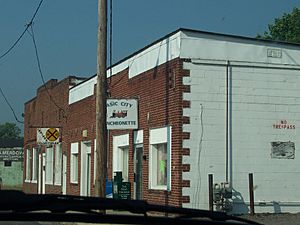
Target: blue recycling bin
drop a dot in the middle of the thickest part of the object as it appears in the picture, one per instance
(108, 189)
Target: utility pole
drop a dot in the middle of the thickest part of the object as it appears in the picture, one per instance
(101, 94)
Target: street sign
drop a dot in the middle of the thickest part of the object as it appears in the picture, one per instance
(48, 135)
(52, 134)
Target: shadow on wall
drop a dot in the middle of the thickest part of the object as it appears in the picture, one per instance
(238, 204)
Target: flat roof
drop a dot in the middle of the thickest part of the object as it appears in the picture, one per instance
(258, 40)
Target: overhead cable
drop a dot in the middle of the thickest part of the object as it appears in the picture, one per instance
(31, 32)
(22, 34)
(9, 105)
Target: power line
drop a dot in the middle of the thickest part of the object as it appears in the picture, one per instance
(22, 34)
(9, 105)
(110, 35)
(110, 45)
(10, 49)
(40, 69)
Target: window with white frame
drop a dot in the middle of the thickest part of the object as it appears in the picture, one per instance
(34, 164)
(58, 164)
(123, 154)
(160, 158)
(28, 165)
(120, 155)
(159, 162)
(74, 163)
(49, 165)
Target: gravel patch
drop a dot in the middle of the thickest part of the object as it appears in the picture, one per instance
(275, 219)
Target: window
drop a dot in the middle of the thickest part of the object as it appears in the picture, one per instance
(7, 163)
(160, 158)
(28, 165)
(49, 165)
(58, 164)
(34, 164)
(159, 152)
(74, 163)
(120, 155)
(124, 162)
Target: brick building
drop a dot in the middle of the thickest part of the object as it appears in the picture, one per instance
(207, 104)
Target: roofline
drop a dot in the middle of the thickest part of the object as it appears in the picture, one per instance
(240, 37)
(87, 79)
(194, 31)
(201, 32)
(32, 99)
(57, 83)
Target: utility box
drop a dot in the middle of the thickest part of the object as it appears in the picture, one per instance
(222, 191)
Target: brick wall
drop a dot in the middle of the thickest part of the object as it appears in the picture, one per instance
(159, 92)
(41, 111)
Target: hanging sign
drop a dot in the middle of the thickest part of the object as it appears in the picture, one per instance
(122, 114)
(47, 135)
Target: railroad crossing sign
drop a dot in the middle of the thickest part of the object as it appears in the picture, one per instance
(52, 134)
(48, 135)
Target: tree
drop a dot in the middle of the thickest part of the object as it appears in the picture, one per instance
(286, 28)
(9, 131)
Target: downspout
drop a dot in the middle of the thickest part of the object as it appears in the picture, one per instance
(227, 125)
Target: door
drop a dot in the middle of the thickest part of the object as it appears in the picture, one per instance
(138, 172)
(43, 173)
(85, 169)
(88, 182)
(40, 175)
(64, 175)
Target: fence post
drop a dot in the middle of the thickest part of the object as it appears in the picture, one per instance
(210, 192)
(251, 194)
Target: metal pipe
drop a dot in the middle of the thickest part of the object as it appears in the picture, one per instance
(227, 123)
(251, 194)
(210, 192)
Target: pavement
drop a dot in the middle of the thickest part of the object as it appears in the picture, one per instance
(263, 218)
(275, 219)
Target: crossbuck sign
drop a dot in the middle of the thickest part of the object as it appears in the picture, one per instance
(47, 135)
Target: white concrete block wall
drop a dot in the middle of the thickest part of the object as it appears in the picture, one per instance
(207, 115)
(260, 97)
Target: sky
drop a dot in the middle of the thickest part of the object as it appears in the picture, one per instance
(66, 35)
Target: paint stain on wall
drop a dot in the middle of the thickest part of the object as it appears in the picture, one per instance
(283, 150)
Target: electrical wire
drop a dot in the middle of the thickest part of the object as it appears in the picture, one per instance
(110, 36)
(110, 49)
(9, 105)
(31, 33)
(22, 34)
(10, 49)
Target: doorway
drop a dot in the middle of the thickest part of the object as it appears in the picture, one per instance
(64, 175)
(40, 174)
(43, 183)
(138, 171)
(85, 175)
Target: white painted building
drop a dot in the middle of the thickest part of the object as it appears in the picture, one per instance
(245, 95)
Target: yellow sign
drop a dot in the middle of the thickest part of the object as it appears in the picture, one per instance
(52, 134)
